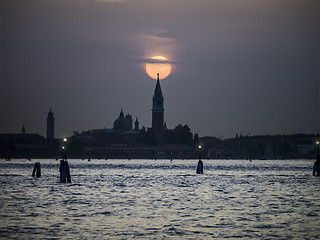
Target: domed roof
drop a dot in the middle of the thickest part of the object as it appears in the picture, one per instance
(123, 123)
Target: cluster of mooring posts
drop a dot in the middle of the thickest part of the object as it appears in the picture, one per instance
(36, 170)
(64, 169)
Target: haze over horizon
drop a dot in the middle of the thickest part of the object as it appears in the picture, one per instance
(249, 66)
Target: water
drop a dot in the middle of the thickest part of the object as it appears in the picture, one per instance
(149, 199)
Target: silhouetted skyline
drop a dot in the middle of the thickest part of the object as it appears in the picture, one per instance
(237, 66)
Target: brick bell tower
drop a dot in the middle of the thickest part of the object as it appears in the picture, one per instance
(158, 113)
(50, 125)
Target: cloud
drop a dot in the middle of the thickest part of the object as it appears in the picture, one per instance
(150, 60)
(156, 43)
(150, 45)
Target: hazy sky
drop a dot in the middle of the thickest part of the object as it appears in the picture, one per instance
(249, 66)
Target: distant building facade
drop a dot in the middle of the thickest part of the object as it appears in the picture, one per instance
(26, 145)
(294, 146)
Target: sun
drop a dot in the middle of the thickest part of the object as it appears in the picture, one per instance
(159, 65)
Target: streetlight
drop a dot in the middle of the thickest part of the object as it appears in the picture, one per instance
(199, 147)
(64, 142)
(64, 147)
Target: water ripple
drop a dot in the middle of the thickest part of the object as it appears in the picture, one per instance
(147, 199)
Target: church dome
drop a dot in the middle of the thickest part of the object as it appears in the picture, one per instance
(123, 123)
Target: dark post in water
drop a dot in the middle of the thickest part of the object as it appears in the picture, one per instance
(316, 165)
(36, 170)
(200, 163)
(200, 167)
(64, 171)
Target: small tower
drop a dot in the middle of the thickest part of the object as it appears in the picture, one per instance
(121, 115)
(23, 129)
(50, 125)
(136, 125)
(158, 113)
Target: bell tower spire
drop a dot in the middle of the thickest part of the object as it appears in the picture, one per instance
(158, 113)
(50, 125)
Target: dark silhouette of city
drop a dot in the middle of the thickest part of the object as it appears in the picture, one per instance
(125, 141)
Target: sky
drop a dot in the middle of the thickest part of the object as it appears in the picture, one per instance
(238, 66)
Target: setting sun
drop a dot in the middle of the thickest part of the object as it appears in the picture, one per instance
(160, 65)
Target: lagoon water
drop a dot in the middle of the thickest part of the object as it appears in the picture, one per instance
(160, 199)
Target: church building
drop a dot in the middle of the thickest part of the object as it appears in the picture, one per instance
(123, 123)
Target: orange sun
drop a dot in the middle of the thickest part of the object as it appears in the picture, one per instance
(160, 65)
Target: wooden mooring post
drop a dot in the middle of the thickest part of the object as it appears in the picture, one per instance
(36, 170)
(64, 172)
(199, 167)
(316, 165)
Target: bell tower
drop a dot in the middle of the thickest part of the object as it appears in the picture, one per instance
(136, 125)
(50, 125)
(158, 113)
